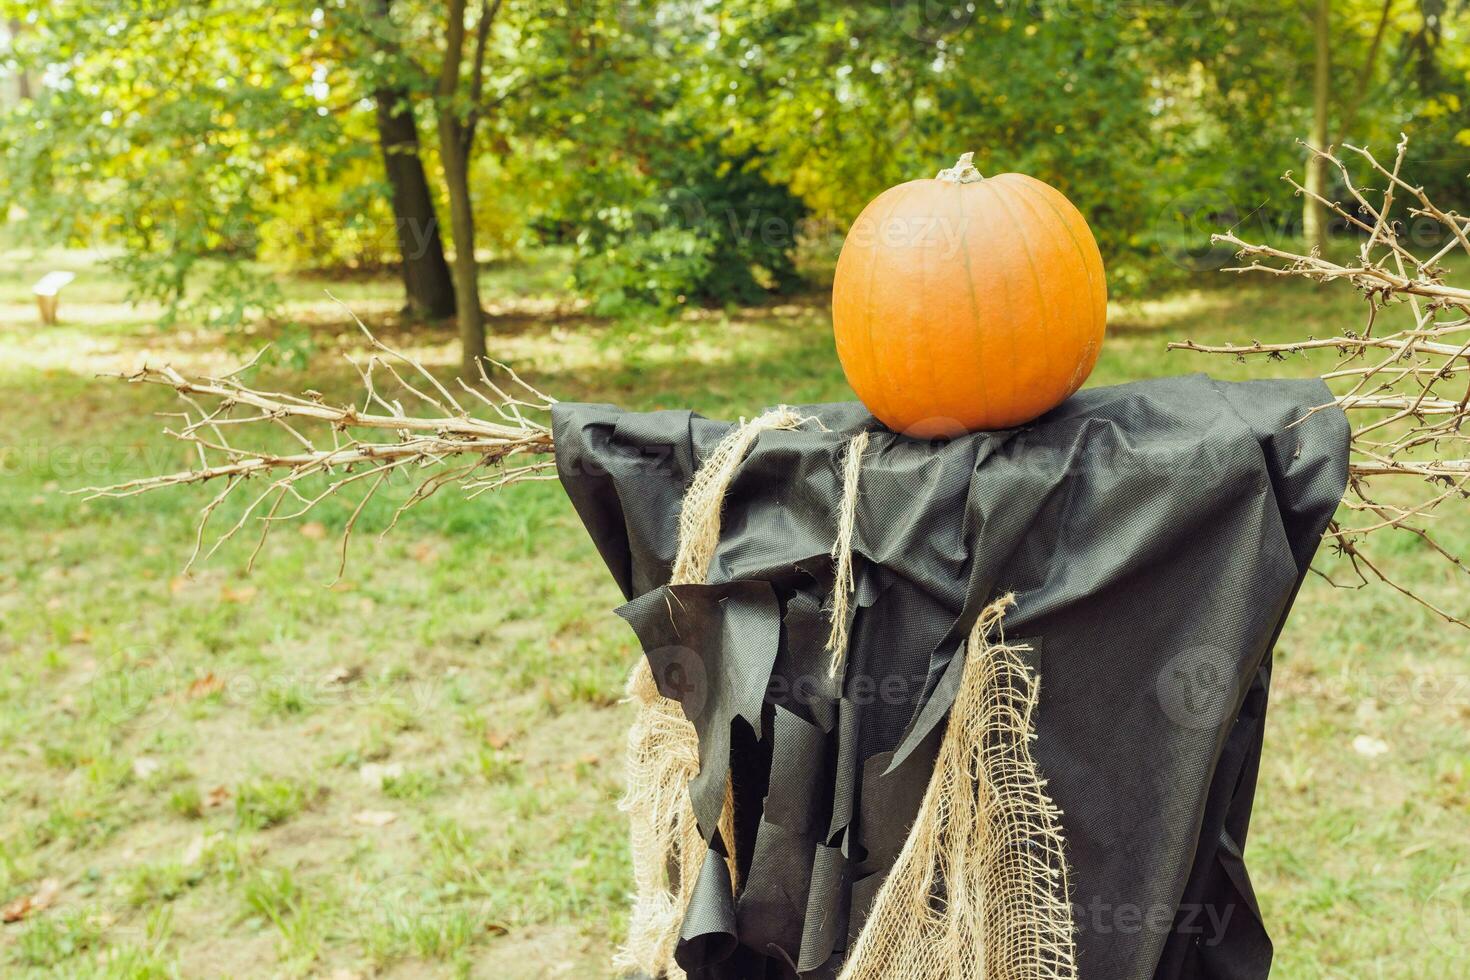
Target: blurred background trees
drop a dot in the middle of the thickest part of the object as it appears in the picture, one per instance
(682, 150)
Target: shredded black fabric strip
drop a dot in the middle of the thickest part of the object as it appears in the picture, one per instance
(1155, 535)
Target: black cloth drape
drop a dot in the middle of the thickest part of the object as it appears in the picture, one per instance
(1155, 535)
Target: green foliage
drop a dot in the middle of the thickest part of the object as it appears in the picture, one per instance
(678, 145)
(169, 130)
(1137, 112)
(637, 271)
(341, 223)
(703, 228)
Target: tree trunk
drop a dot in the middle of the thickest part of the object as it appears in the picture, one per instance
(1365, 77)
(1314, 214)
(22, 76)
(456, 161)
(455, 143)
(426, 282)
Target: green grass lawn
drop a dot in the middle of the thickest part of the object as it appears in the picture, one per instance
(413, 772)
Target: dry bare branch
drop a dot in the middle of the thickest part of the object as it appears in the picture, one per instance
(1402, 389)
(336, 446)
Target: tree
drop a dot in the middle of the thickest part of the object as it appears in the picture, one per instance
(426, 280)
(510, 77)
(1314, 215)
(456, 141)
(135, 140)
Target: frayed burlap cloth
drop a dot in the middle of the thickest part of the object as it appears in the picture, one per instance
(979, 891)
(663, 747)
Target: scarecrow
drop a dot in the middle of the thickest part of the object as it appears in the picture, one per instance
(968, 679)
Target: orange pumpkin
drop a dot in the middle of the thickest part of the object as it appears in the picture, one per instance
(968, 302)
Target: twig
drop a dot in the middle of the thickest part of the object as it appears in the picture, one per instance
(344, 443)
(1403, 394)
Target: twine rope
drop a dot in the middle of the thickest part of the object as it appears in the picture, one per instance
(843, 584)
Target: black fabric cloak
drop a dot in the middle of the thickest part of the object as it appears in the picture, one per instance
(1154, 534)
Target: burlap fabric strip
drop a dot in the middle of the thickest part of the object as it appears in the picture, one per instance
(663, 747)
(979, 891)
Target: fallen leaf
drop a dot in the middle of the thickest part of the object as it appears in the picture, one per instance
(497, 740)
(178, 584)
(496, 929)
(1369, 747)
(343, 586)
(203, 687)
(194, 853)
(424, 553)
(243, 594)
(143, 767)
(315, 530)
(83, 635)
(37, 901)
(343, 675)
(374, 818)
(218, 796)
(375, 773)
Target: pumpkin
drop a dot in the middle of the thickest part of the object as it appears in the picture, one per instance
(967, 302)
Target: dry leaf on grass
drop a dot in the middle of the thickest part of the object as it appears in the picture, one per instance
(203, 687)
(1369, 747)
(218, 796)
(243, 594)
(39, 900)
(343, 676)
(374, 818)
(315, 530)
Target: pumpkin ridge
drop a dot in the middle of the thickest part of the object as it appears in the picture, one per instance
(879, 379)
(924, 342)
(982, 383)
(1080, 330)
(1045, 307)
(1094, 283)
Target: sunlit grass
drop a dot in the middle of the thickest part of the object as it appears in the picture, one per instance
(194, 758)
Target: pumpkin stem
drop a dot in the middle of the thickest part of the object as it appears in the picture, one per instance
(963, 171)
